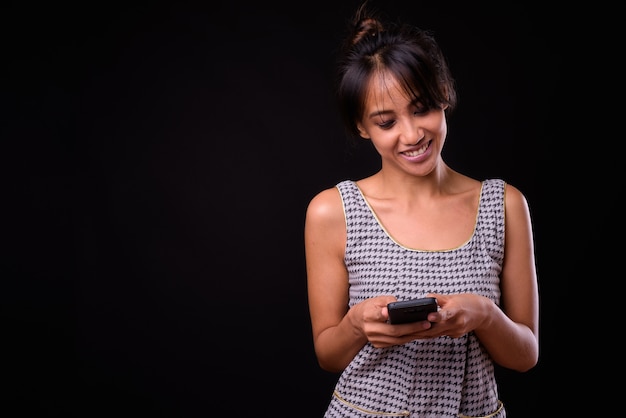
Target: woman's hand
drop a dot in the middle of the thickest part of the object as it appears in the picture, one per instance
(458, 314)
(371, 316)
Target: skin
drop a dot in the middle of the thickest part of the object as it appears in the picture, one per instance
(423, 204)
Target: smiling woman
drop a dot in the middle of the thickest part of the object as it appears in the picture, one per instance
(415, 228)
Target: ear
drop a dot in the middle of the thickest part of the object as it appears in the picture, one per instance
(362, 132)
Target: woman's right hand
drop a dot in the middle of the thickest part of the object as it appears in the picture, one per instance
(370, 318)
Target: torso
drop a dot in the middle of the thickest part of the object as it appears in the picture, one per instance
(442, 376)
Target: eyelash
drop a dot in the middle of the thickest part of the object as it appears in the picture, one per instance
(422, 110)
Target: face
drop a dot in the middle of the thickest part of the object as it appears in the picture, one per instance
(408, 136)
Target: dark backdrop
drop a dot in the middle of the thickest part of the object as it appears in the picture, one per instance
(158, 160)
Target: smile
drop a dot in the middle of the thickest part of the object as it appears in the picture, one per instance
(417, 152)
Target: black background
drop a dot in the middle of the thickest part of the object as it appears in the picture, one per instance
(157, 162)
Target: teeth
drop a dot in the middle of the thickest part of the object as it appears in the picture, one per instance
(417, 152)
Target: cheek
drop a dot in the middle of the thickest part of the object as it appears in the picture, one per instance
(441, 121)
(442, 127)
(436, 123)
(384, 144)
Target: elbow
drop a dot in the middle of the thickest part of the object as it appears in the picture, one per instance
(330, 368)
(526, 362)
(521, 365)
(329, 365)
(524, 367)
(530, 363)
(521, 359)
(331, 362)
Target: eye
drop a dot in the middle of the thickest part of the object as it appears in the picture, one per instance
(420, 108)
(388, 124)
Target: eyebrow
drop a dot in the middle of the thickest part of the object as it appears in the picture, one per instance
(379, 113)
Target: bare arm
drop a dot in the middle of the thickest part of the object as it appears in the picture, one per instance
(340, 331)
(335, 338)
(511, 335)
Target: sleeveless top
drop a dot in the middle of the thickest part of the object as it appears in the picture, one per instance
(440, 377)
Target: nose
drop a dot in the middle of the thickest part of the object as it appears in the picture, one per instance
(411, 133)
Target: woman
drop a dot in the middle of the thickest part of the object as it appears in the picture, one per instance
(415, 228)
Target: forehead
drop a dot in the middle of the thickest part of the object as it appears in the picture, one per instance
(383, 90)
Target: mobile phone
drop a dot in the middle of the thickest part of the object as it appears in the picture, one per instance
(413, 310)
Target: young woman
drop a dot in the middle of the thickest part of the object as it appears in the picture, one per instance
(415, 228)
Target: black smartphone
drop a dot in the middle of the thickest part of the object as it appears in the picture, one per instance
(404, 311)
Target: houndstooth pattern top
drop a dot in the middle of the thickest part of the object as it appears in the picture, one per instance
(442, 377)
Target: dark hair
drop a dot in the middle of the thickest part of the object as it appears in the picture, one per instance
(408, 53)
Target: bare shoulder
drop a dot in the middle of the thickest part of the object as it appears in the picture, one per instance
(325, 226)
(516, 207)
(514, 199)
(325, 208)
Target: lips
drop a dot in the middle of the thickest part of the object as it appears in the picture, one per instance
(417, 152)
